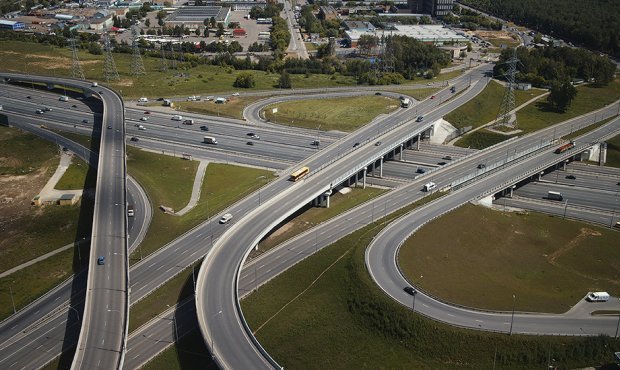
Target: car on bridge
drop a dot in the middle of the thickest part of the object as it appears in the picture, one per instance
(101, 260)
(377, 143)
(134, 138)
(447, 158)
(571, 177)
(482, 166)
(250, 143)
(204, 128)
(356, 145)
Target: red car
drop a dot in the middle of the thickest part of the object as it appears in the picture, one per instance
(147, 112)
(433, 97)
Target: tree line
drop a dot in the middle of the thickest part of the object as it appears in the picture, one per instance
(593, 23)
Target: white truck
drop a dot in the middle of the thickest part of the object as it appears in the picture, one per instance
(597, 297)
(405, 103)
(554, 195)
(209, 140)
(176, 117)
(130, 210)
(429, 186)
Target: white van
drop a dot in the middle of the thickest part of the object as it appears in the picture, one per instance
(94, 84)
(64, 98)
(429, 186)
(227, 217)
(176, 117)
(143, 100)
(597, 297)
(141, 128)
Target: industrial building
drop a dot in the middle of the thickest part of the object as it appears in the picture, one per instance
(432, 34)
(193, 17)
(11, 25)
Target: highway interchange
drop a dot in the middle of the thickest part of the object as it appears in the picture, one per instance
(341, 148)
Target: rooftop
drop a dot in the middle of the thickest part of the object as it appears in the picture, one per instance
(195, 14)
(426, 33)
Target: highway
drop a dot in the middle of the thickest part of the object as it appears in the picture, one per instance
(381, 256)
(102, 340)
(178, 246)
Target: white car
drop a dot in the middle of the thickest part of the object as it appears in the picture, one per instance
(144, 119)
(235, 94)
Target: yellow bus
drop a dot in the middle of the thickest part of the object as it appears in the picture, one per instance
(297, 175)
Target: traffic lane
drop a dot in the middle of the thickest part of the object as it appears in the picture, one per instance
(583, 179)
(558, 209)
(585, 197)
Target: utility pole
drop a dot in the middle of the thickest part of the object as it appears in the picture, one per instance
(137, 66)
(76, 68)
(109, 67)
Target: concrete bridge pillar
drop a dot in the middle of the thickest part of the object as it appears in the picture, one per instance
(364, 178)
(50, 86)
(400, 158)
(417, 147)
(381, 168)
(602, 155)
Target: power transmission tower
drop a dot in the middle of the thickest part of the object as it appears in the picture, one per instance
(504, 117)
(164, 62)
(109, 67)
(76, 68)
(137, 67)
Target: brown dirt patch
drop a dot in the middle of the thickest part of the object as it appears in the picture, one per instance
(494, 35)
(124, 82)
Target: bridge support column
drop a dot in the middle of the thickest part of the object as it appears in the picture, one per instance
(602, 155)
(381, 168)
(400, 158)
(417, 146)
(510, 192)
(364, 179)
(50, 86)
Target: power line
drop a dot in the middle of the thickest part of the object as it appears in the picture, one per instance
(109, 67)
(137, 66)
(504, 115)
(76, 68)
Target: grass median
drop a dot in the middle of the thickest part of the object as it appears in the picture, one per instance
(168, 182)
(613, 152)
(485, 106)
(232, 108)
(548, 263)
(75, 176)
(343, 114)
(329, 298)
(309, 216)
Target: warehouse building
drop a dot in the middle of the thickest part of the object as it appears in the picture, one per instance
(435, 8)
(11, 25)
(192, 17)
(431, 34)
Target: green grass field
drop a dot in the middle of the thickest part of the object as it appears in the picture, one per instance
(203, 79)
(75, 176)
(484, 107)
(23, 153)
(342, 114)
(418, 94)
(538, 115)
(329, 298)
(168, 181)
(32, 282)
(233, 107)
(167, 295)
(548, 263)
(481, 139)
(309, 216)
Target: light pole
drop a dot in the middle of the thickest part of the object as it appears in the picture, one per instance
(415, 292)
(513, 314)
(12, 301)
(258, 178)
(565, 206)
(318, 142)
(617, 327)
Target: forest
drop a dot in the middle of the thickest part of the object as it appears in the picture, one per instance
(591, 23)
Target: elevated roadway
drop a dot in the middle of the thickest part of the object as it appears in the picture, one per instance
(104, 323)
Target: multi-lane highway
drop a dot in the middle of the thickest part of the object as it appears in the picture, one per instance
(104, 321)
(185, 248)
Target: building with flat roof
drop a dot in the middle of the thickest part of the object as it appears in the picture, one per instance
(11, 25)
(327, 13)
(435, 8)
(431, 34)
(193, 17)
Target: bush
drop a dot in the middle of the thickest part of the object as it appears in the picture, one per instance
(245, 80)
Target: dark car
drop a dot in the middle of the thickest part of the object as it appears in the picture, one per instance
(377, 143)
(204, 128)
(250, 143)
(409, 290)
(420, 170)
(481, 166)
(447, 158)
(356, 145)
(28, 97)
(109, 127)
(74, 106)
(134, 138)
(377, 93)
(84, 120)
(101, 260)
(433, 97)
(441, 163)
(147, 112)
(250, 134)
(571, 177)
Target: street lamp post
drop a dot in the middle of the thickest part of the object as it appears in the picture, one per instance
(513, 314)
(212, 340)
(415, 292)
(12, 301)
